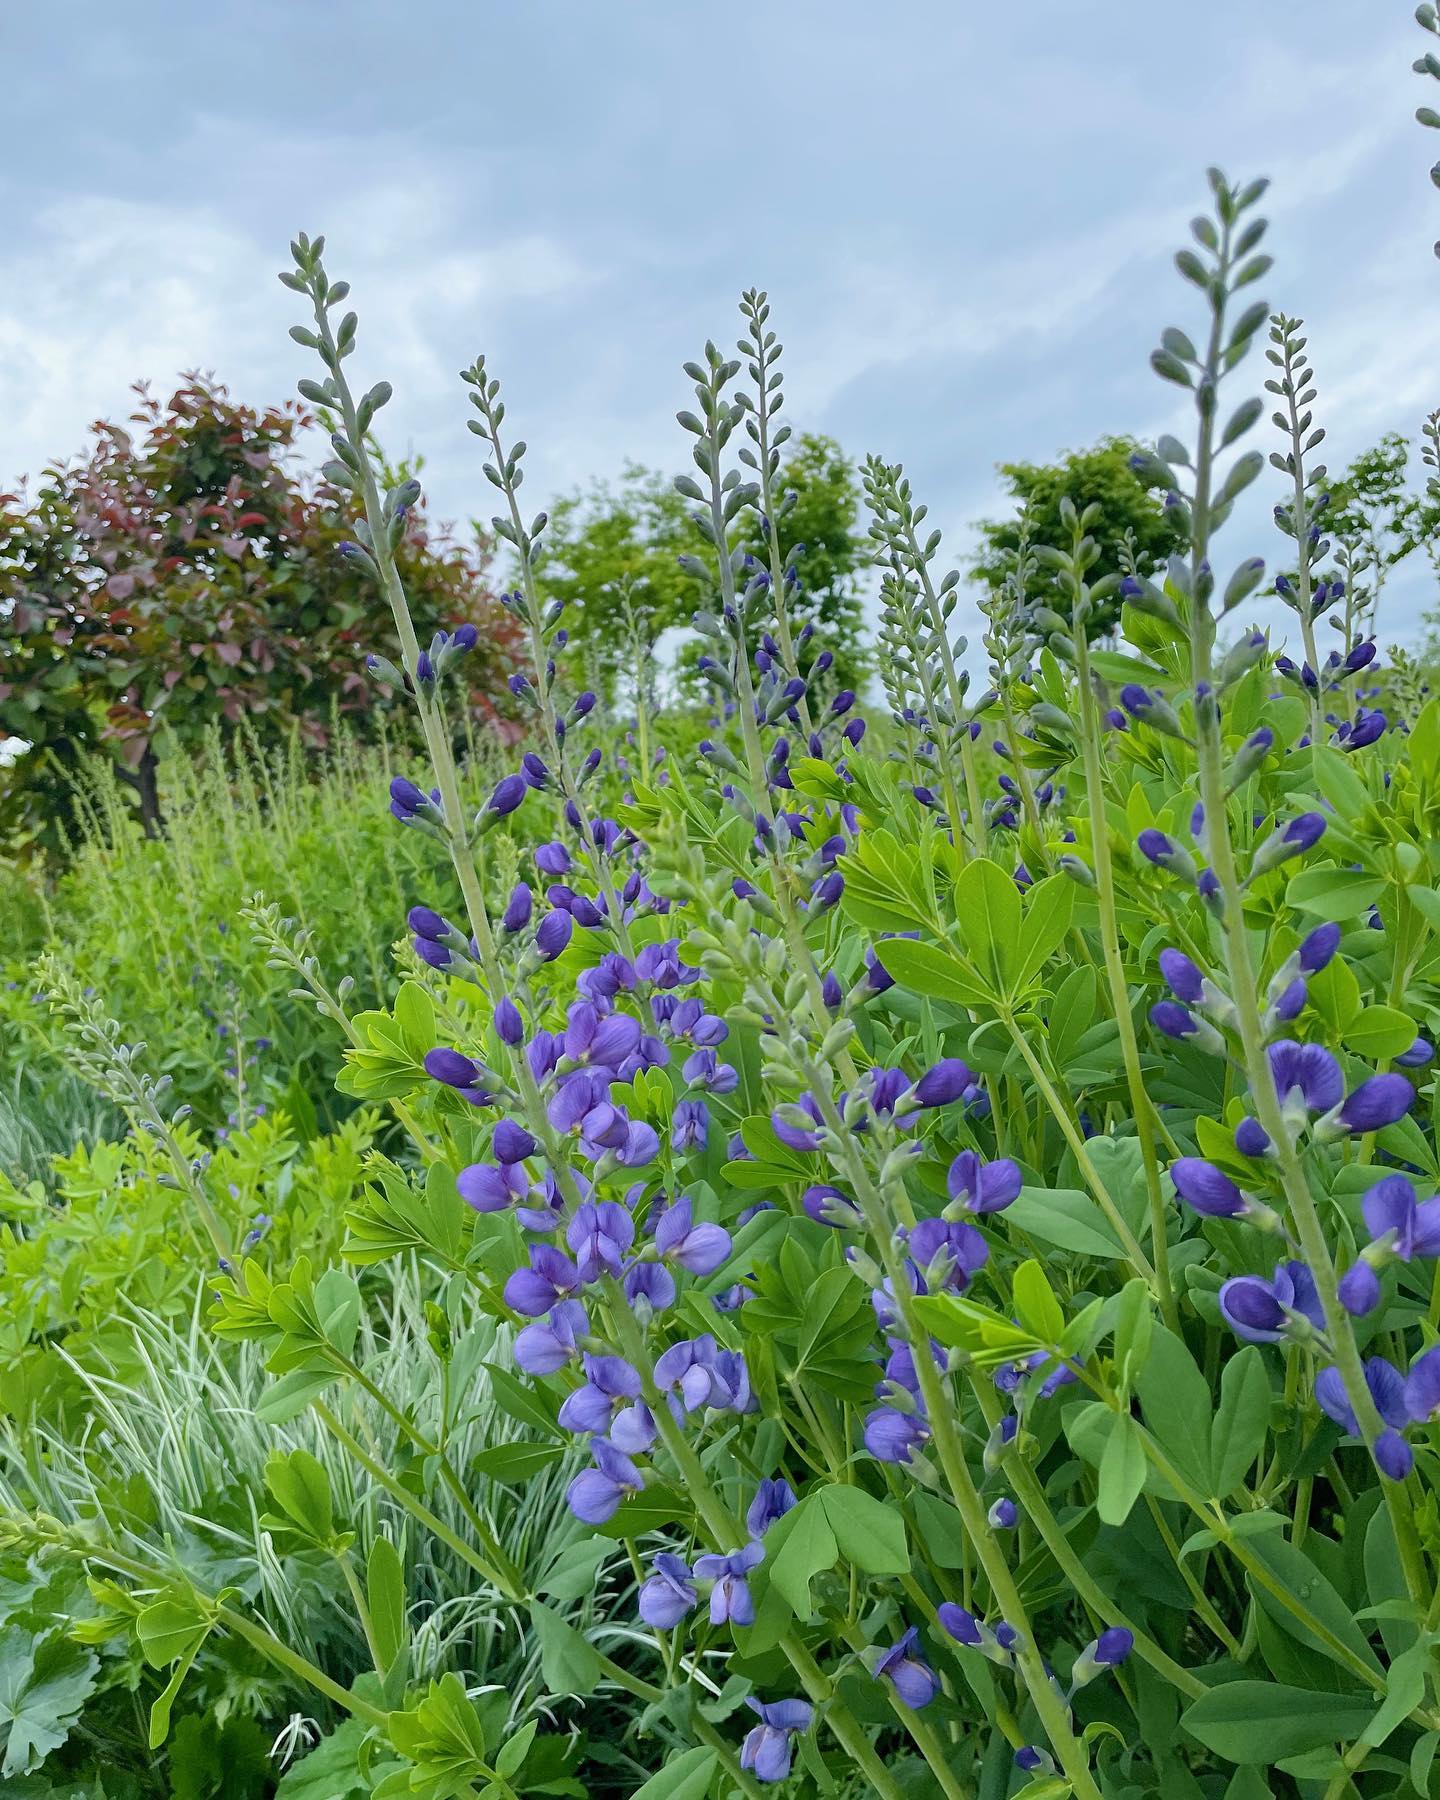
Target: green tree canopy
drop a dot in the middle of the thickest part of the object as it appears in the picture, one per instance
(1129, 501)
(607, 542)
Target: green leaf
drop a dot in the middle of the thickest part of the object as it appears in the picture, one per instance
(1175, 1400)
(1380, 1033)
(1261, 1721)
(568, 1663)
(516, 1462)
(810, 1547)
(301, 1488)
(936, 973)
(167, 1629)
(1298, 1575)
(1122, 1471)
(415, 1016)
(1242, 1421)
(385, 1596)
(1336, 779)
(1035, 1304)
(526, 1405)
(287, 1397)
(1067, 1218)
(1048, 909)
(1333, 893)
(684, 1777)
(1404, 1691)
(870, 1533)
(988, 911)
(44, 1684)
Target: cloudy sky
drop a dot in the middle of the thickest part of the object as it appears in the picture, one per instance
(964, 213)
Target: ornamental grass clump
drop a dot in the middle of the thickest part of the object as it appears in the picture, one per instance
(955, 1201)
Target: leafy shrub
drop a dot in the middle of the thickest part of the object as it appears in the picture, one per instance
(186, 576)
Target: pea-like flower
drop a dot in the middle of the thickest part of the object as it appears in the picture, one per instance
(1287, 1307)
(774, 1497)
(892, 1436)
(600, 1234)
(1422, 1388)
(977, 1187)
(610, 1384)
(767, 1747)
(914, 1681)
(699, 1248)
(730, 1599)
(551, 1343)
(667, 1595)
(551, 1277)
(1393, 1456)
(595, 1495)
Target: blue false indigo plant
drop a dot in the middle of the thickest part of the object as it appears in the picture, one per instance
(959, 1209)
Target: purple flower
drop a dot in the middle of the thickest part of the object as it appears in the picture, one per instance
(963, 1626)
(551, 1277)
(789, 1128)
(1376, 1103)
(1251, 1138)
(1358, 1289)
(1294, 839)
(690, 1126)
(600, 1233)
(490, 1189)
(666, 1594)
(1422, 1387)
(544, 1347)
(649, 1285)
(1265, 1312)
(1307, 1076)
(595, 1495)
(947, 1081)
(1002, 1514)
(1207, 1189)
(704, 1069)
(828, 1206)
(553, 859)
(766, 1750)
(1183, 977)
(452, 1068)
(774, 1497)
(553, 934)
(508, 1023)
(1387, 1390)
(730, 1601)
(610, 1383)
(983, 1187)
(914, 1681)
(507, 796)
(893, 1437)
(948, 1254)
(517, 913)
(1318, 948)
(1113, 1646)
(1175, 1020)
(511, 1143)
(1416, 1057)
(1404, 1226)
(689, 1367)
(699, 1248)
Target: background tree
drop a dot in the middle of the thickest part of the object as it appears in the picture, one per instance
(183, 576)
(1129, 502)
(1373, 511)
(638, 530)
